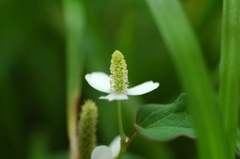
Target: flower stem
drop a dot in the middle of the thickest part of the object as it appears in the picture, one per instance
(121, 131)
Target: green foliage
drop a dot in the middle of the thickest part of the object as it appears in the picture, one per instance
(165, 122)
(128, 155)
(74, 22)
(238, 143)
(189, 63)
(229, 91)
(34, 70)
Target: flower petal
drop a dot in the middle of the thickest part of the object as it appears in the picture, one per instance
(143, 88)
(99, 80)
(115, 146)
(101, 152)
(115, 96)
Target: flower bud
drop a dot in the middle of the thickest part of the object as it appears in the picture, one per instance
(87, 129)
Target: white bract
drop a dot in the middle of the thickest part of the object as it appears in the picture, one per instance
(101, 82)
(117, 83)
(107, 152)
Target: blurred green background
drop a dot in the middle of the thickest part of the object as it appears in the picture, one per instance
(33, 71)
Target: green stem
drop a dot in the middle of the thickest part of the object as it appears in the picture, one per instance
(134, 135)
(121, 131)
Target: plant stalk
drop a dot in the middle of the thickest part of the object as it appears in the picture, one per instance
(121, 131)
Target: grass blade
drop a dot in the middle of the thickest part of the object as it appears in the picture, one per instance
(74, 20)
(187, 56)
(229, 92)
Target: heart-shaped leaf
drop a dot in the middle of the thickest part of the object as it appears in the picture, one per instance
(165, 122)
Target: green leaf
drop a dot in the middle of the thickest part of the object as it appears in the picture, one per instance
(186, 53)
(75, 23)
(129, 155)
(229, 88)
(165, 122)
(238, 143)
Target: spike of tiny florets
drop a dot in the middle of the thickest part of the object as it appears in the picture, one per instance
(119, 73)
(87, 127)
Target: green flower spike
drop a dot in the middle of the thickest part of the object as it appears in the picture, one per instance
(87, 129)
(119, 73)
(117, 83)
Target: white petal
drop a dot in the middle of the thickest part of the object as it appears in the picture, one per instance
(115, 96)
(143, 88)
(115, 146)
(101, 152)
(99, 80)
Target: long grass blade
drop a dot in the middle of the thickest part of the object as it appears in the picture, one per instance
(187, 56)
(74, 20)
(229, 92)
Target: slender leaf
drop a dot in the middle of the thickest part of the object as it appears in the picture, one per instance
(74, 20)
(187, 56)
(238, 143)
(229, 70)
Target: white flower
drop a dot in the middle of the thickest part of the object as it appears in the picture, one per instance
(107, 152)
(116, 84)
(101, 82)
